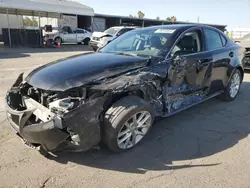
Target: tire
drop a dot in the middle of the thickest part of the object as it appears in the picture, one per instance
(86, 41)
(227, 95)
(58, 39)
(121, 113)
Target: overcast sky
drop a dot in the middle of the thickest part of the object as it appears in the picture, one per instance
(234, 13)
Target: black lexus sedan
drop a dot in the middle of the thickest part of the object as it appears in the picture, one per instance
(114, 94)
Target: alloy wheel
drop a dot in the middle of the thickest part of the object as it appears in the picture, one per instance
(234, 85)
(134, 129)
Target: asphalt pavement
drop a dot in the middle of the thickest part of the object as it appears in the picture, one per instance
(205, 146)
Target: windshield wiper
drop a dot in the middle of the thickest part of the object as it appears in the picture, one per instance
(127, 54)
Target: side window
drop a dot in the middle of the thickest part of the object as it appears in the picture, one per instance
(80, 31)
(190, 43)
(213, 40)
(67, 29)
(224, 41)
(122, 31)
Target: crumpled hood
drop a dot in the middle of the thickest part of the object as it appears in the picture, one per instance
(82, 69)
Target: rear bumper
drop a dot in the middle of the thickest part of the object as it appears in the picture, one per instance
(46, 134)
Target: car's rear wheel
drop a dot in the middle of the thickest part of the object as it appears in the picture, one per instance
(233, 87)
(126, 123)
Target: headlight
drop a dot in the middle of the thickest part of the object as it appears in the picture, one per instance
(69, 100)
(62, 105)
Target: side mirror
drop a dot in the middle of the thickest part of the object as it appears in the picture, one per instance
(176, 60)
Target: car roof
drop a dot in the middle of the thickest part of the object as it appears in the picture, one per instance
(179, 26)
(121, 27)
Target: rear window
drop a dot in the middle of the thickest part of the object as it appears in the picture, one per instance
(122, 31)
(224, 41)
(213, 39)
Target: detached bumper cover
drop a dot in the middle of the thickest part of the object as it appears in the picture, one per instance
(46, 133)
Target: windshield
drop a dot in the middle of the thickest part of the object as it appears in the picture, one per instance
(111, 31)
(140, 42)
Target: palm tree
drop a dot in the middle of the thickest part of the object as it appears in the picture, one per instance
(140, 14)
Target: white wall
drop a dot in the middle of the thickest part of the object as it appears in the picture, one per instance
(238, 33)
(16, 22)
(68, 21)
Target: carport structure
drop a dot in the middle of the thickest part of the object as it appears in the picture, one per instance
(43, 8)
(115, 20)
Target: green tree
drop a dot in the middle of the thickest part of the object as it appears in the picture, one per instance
(173, 18)
(29, 22)
(140, 14)
(168, 18)
(158, 18)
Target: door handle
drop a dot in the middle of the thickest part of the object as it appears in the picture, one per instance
(231, 54)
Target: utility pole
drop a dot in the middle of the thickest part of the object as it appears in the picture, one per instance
(198, 19)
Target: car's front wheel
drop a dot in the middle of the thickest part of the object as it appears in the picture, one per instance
(233, 86)
(126, 123)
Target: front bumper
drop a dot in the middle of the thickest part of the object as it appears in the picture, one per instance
(95, 45)
(247, 62)
(45, 133)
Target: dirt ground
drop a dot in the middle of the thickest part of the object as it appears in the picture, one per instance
(205, 146)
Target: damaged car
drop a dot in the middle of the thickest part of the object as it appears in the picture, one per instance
(245, 43)
(100, 39)
(113, 95)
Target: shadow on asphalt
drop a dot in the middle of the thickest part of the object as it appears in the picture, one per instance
(11, 55)
(199, 132)
(24, 52)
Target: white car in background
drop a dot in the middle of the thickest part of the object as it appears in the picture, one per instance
(100, 39)
(67, 35)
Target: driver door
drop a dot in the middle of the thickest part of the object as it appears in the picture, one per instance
(189, 75)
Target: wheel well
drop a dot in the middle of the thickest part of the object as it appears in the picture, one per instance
(241, 71)
(87, 38)
(114, 98)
